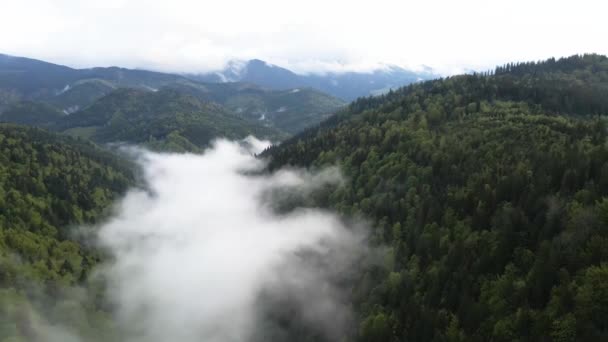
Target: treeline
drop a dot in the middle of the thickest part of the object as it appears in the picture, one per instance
(574, 85)
(494, 207)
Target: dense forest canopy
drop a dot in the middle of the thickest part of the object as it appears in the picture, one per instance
(48, 184)
(491, 191)
(289, 110)
(165, 119)
(487, 194)
(32, 114)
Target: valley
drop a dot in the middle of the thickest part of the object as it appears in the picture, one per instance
(137, 205)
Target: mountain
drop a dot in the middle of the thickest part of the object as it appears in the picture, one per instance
(31, 114)
(489, 195)
(347, 85)
(48, 183)
(26, 81)
(80, 94)
(253, 71)
(165, 119)
(288, 110)
(68, 89)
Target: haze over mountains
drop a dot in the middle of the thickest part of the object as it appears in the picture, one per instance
(345, 85)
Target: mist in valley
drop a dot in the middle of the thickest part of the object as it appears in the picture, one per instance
(205, 250)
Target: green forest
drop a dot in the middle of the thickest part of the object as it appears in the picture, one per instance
(486, 196)
(49, 184)
(490, 191)
(163, 120)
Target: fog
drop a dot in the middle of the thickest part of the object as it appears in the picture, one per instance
(200, 253)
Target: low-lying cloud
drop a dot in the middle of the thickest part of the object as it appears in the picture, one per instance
(201, 254)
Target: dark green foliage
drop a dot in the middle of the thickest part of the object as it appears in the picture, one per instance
(49, 183)
(491, 193)
(31, 114)
(288, 110)
(165, 119)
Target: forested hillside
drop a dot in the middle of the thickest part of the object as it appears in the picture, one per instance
(31, 114)
(164, 120)
(487, 194)
(290, 110)
(490, 193)
(48, 184)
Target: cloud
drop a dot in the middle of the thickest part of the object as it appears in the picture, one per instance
(316, 35)
(203, 254)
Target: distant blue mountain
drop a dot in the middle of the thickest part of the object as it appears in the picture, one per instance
(38, 93)
(67, 88)
(345, 85)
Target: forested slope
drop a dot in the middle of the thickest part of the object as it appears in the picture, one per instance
(491, 193)
(31, 114)
(288, 110)
(48, 184)
(166, 120)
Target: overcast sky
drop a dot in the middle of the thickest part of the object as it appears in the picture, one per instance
(305, 35)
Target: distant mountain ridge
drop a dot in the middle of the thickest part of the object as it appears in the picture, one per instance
(34, 80)
(345, 85)
(27, 83)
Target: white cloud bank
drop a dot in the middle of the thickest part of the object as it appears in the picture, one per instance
(194, 35)
(202, 256)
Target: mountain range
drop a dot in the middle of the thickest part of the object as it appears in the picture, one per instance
(345, 85)
(40, 93)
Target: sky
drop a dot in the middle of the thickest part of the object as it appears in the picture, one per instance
(305, 36)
